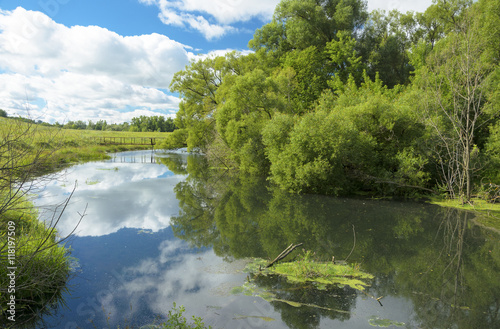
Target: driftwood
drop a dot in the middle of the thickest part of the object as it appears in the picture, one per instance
(284, 253)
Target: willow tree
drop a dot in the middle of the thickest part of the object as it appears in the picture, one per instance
(197, 86)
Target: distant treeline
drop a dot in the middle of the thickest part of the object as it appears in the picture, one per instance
(140, 124)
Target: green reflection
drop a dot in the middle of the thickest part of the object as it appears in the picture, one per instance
(437, 258)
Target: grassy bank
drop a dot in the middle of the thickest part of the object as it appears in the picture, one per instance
(61, 147)
(80, 145)
(488, 214)
(34, 268)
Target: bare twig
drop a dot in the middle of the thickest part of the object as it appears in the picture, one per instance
(354, 244)
(284, 253)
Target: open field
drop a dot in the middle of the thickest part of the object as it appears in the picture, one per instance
(63, 147)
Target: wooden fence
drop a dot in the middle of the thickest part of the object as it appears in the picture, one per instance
(126, 140)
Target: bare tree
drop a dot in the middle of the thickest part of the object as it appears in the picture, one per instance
(455, 79)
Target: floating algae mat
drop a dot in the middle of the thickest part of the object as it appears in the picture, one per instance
(301, 275)
(306, 270)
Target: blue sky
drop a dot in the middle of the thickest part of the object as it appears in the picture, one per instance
(64, 60)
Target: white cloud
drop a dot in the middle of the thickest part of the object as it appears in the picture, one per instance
(231, 11)
(223, 13)
(81, 73)
(209, 31)
(187, 13)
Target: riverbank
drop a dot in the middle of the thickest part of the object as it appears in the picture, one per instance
(37, 266)
(488, 213)
(76, 146)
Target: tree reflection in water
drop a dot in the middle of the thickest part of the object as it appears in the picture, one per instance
(435, 257)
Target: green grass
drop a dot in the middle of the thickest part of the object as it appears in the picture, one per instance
(305, 269)
(63, 147)
(42, 265)
(303, 273)
(488, 213)
(79, 145)
(41, 271)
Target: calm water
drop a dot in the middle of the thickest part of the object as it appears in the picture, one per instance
(167, 229)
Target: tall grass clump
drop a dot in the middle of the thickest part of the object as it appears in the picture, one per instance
(41, 267)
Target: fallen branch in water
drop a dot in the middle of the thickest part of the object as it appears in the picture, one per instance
(284, 253)
(371, 296)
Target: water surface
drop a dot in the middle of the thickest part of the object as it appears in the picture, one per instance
(163, 228)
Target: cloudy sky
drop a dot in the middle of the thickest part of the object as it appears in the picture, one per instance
(113, 60)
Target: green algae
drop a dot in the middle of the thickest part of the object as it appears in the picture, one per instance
(303, 273)
(320, 274)
(251, 289)
(378, 322)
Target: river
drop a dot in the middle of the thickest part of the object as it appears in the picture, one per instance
(165, 227)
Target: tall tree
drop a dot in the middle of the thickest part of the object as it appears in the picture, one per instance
(384, 44)
(300, 24)
(198, 85)
(456, 81)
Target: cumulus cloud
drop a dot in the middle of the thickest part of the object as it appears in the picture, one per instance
(90, 72)
(221, 14)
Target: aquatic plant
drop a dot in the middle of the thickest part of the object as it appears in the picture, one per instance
(321, 274)
(176, 320)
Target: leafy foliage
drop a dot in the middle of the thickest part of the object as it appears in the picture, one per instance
(154, 123)
(335, 100)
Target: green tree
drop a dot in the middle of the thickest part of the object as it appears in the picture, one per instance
(311, 73)
(315, 23)
(198, 85)
(271, 38)
(456, 83)
(345, 60)
(247, 102)
(100, 125)
(363, 138)
(384, 44)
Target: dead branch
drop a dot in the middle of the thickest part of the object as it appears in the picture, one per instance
(284, 253)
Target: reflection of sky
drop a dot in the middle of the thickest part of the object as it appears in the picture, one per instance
(118, 195)
(130, 267)
(132, 276)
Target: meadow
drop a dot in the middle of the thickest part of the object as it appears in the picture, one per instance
(63, 147)
(83, 145)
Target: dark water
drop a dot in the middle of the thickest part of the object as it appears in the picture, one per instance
(170, 229)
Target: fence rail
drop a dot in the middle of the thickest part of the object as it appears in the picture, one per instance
(126, 140)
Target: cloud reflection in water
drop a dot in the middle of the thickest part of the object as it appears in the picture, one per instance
(119, 195)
